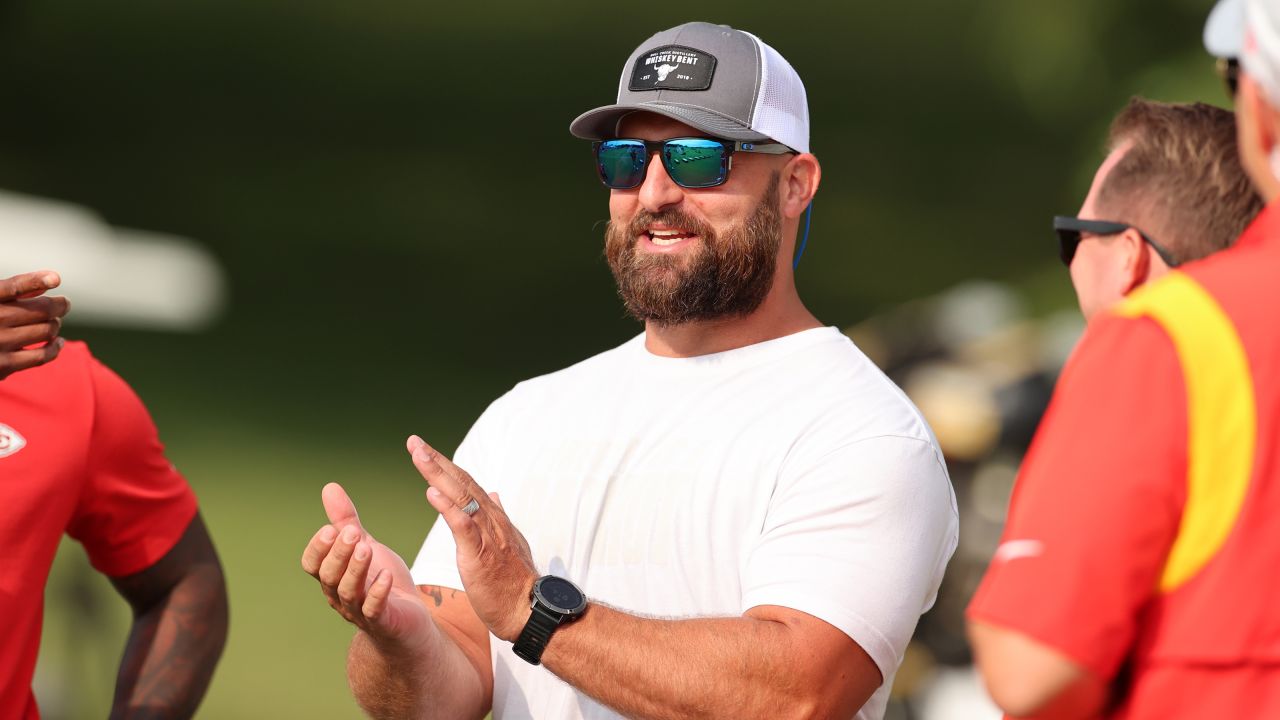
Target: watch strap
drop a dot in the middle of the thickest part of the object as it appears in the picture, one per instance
(536, 634)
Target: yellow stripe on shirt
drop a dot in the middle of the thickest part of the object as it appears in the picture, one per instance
(1221, 416)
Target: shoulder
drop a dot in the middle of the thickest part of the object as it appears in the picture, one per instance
(66, 378)
(1123, 367)
(1125, 339)
(75, 354)
(847, 419)
(840, 382)
(530, 400)
(597, 368)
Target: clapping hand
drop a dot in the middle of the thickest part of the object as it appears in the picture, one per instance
(365, 581)
(494, 560)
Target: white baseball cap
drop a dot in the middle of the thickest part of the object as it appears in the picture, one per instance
(724, 82)
(1224, 30)
(1261, 46)
(1248, 30)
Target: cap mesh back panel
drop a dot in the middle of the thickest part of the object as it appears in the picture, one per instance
(782, 108)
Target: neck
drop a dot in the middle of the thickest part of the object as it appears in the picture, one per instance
(782, 313)
(1268, 188)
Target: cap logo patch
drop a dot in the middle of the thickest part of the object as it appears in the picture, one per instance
(673, 67)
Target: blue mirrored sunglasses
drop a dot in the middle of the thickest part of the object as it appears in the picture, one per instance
(691, 162)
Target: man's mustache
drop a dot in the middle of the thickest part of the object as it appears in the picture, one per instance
(671, 218)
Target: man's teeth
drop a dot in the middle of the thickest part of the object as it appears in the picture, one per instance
(667, 237)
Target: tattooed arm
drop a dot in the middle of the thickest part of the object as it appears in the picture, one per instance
(179, 627)
(449, 676)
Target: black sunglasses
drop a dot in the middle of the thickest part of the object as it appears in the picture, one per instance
(1229, 71)
(691, 162)
(1069, 229)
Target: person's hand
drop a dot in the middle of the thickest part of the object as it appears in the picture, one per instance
(27, 318)
(493, 557)
(365, 581)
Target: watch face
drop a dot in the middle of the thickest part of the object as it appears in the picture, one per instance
(560, 595)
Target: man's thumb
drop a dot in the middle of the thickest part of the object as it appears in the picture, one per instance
(338, 506)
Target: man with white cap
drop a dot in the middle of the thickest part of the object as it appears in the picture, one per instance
(734, 514)
(1159, 599)
(1257, 49)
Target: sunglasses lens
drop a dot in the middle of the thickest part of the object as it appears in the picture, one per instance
(1068, 241)
(695, 162)
(621, 162)
(1229, 70)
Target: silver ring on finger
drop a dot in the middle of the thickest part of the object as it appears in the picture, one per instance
(471, 508)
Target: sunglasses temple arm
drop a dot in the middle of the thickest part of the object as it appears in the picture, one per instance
(808, 217)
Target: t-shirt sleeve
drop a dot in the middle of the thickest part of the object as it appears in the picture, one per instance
(1097, 504)
(134, 505)
(437, 559)
(859, 539)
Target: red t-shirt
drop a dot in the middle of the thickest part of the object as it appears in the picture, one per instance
(78, 454)
(1099, 503)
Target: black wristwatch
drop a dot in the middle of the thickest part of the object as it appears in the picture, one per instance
(555, 601)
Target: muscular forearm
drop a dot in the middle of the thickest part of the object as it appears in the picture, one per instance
(172, 649)
(698, 668)
(436, 680)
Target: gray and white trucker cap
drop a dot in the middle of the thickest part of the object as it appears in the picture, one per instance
(724, 82)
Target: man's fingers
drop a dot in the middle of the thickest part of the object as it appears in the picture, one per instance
(335, 563)
(375, 601)
(338, 506)
(28, 284)
(317, 549)
(466, 534)
(462, 476)
(351, 588)
(444, 476)
(16, 338)
(14, 313)
(12, 362)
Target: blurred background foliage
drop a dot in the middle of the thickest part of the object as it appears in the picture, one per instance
(408, 229)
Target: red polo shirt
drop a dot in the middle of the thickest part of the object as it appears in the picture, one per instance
(78, 454)
(1105, 502)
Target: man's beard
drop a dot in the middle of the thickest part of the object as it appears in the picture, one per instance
(728, 276)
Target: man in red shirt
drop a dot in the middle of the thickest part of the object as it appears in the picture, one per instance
(1136, 577)
(79, 454)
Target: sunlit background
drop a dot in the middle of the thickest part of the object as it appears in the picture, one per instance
(303, 231)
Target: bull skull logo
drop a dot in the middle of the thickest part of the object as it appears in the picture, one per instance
(664, 70)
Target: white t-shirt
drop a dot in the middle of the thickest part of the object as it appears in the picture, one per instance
(791, 472)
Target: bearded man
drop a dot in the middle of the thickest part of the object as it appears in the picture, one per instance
(734, 514)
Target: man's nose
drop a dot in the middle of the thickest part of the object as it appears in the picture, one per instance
(658, 191)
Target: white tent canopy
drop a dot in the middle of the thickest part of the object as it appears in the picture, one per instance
(113, 276)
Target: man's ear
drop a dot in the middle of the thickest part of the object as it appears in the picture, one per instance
(1265, 116)
(800, 183)
(1134, 258)
(1258, 131)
